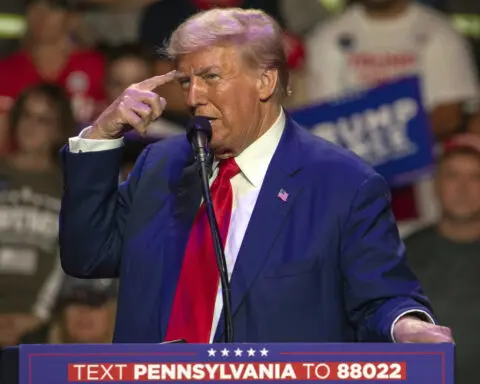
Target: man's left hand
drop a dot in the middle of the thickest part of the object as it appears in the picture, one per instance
(411, 329)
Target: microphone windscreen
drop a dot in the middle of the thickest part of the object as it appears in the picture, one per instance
(199, 124)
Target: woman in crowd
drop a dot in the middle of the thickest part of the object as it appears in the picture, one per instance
(30, 191)
(85, 313)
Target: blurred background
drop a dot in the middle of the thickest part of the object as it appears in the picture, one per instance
(63, 61)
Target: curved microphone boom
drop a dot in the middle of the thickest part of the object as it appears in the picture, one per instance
(199, 134)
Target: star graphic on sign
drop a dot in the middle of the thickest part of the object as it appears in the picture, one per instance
(251, 352)
(225, 352)
(264, 351)
(211, 352)
(238, 352)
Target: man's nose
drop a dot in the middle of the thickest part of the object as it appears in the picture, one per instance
(196, 94)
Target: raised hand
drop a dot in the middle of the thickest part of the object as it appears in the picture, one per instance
(135, 109)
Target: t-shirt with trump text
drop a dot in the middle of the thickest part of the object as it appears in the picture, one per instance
(29, 261)
(355, 52)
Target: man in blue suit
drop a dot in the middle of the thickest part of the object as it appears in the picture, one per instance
(310, 242)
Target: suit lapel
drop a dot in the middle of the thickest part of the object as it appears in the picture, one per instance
(268, 217)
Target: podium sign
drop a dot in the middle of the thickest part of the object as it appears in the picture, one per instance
(331, 363)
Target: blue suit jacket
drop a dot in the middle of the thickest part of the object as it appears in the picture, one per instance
(327, 265)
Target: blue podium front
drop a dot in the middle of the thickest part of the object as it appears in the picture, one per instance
(331, 363)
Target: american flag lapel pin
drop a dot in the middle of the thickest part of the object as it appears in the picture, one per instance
(283, 195)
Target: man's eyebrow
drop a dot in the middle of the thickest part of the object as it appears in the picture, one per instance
(199, 72)
(207, 69)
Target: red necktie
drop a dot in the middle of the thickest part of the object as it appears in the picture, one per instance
(194, 302)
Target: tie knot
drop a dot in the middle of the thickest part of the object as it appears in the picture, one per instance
(228, 168)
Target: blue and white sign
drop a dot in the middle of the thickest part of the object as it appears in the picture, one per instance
(237, 363)
(387, 126)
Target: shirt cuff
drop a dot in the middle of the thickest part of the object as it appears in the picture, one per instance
(79, 144)
(423, 315)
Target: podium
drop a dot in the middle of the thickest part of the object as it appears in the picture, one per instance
(234, 363)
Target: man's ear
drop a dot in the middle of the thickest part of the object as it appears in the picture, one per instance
(267, 83)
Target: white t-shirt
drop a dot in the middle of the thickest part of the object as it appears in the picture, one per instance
(354, 51)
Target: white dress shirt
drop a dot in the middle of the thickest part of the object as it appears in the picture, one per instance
(253, 163)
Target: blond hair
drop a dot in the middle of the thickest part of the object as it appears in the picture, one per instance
(257, 33)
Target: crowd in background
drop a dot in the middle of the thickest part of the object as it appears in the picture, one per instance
(63, 61)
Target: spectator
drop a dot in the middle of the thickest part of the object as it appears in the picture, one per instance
(30, 192)
(126, 64)
(129, 64)
(375, 41)
(50, 56)
(446, 256)
(110, 22)
(85, 313)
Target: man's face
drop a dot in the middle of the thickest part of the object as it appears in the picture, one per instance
(458, 184)
(46, 22)
(87, 324)
(38, 126)
(124, 72)
(218, 84)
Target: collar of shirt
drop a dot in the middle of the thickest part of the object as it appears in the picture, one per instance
(255, 159)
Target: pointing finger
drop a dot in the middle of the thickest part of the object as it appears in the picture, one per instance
(156, 81)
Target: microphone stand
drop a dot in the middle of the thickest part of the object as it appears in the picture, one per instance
(202, 158)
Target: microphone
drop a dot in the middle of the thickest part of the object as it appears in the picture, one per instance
(199, 134)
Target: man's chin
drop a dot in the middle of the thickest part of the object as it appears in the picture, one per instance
(220, 149)
(223, 153)
(463, 217)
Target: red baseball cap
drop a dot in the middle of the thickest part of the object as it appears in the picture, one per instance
(457, 143)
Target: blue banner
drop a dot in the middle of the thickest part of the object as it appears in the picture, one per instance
(276, 362)
(387, 126)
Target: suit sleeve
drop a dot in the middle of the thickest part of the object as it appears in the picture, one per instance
(379, 287)
(94, 211)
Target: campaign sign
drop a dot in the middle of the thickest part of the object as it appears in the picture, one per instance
(179, 363)
(387, 126)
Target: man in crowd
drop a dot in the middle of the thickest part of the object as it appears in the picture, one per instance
(83, 313)
(49, 55)
(446, 256)
(376, 41)
(41, 120)
(310, 242)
